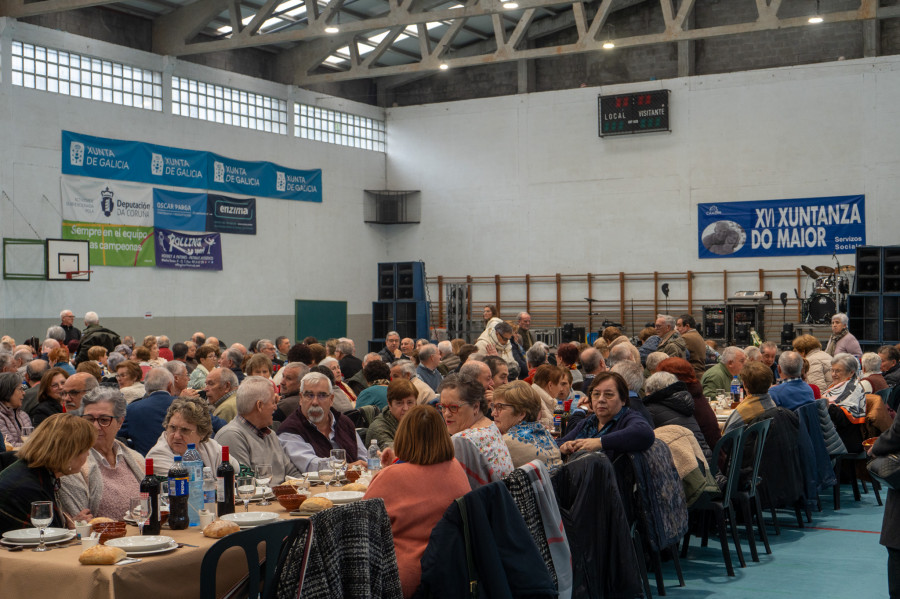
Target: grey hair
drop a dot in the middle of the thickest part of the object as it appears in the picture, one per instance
(620, 353)
(536, 354)
(123, 349)
(503, 328)
(753, 353)
(114, 360)
(842, 317)
(670, 320)
(9, 382)
(63, 313)
(372, 355)
(328, 360)
(768, 345)
(56, 332)
(300, 365)
(632, 373)
(158, 379)
(392, 333)
(470, 392)
(519, 316)
(730, 353)
(91, 318)
(263, 342)
(228, 376)
(407, 366)
(871, 362)
(109, 395)
(24, 355)
(315, 377)
(791, 364)
(6, 358)
(426, 351)
(654, 359)
(174, 366)
(591, 360)
(234, 356)
(162, 341)
(36, 369)
(445, 347)
(252, 390)
(847, 362)
(345, 346)
(659, 380)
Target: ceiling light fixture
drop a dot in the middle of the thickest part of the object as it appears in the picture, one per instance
(335, 27)
(444, 66)
(332, 29)
(608, 44)
(816, 18)
(510, 5)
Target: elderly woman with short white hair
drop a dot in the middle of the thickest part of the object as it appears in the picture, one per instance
(112, 473)
(187, 421)
(847, 401)
(872, 380)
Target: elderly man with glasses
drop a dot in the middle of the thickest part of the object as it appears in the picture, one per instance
(315, 428)
(75, 388)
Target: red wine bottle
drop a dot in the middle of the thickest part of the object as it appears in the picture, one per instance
(150, 486)
(224, 486)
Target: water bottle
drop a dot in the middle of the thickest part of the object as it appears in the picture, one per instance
(735, 390)
(209, 490)
(178, 496)
(193, 463)
(373, 461)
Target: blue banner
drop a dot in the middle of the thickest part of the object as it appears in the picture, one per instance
(103, 158)
(796, 227)
(231, 215)
(179, 210)
(188, 252)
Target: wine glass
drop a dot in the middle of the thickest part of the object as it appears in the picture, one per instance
(326, 473)
(246, 488)
(338, 462)
(26, 432)
(41, 517)
(263, 478)
(140, 511)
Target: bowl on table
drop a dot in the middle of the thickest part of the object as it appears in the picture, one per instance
(868, 443)
(108, 530)
(284, 489)
(353, 474)
(291, 502)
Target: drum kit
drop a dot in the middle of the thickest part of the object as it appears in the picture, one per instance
(830, 289)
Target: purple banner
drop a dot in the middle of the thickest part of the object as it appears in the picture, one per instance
(190, 252)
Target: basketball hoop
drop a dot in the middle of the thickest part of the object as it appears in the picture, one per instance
(73, 274)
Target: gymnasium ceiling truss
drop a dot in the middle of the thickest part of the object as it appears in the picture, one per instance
(405, 39)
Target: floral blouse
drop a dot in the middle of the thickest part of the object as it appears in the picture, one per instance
(528, 441)
(490, 443)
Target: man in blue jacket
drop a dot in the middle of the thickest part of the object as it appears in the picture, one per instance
(144, 417)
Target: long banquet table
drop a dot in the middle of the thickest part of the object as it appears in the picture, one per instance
(56, 573)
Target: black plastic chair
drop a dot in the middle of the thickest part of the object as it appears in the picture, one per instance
(749, 499)
(273, 535)
(722, 506)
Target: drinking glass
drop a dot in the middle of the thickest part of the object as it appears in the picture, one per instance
(41, 517)
(26, 432)
(140, 511)
(246, 488)
(338, 463)
(326, 473)
(722, 398)
(263, 478)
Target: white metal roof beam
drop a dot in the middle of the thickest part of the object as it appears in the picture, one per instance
(18, 8)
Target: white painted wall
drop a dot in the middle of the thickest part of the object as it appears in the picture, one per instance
(302, 250)
(523, 184)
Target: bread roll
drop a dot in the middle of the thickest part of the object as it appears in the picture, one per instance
(355, 487)
(100, 519)
(220, 528)
(314, 505)
(103, 555)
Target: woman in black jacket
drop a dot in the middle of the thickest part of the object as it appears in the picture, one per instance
(669, 402)
(888, 443)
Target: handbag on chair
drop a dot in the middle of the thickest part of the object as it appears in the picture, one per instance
(886, 470)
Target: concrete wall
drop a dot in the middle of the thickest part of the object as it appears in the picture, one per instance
(302, 250)
(523, 184)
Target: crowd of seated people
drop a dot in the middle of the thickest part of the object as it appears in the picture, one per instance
(289, 405)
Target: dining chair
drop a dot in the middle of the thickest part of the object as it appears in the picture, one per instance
(274, 535)
(754, 439)
(722, 506)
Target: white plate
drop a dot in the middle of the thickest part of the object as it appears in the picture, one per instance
(32, 535)
(141, 543)
(342, 496)
(68, 537)
(250, 519)
(169, 547)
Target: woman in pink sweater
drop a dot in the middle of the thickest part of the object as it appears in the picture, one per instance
(417, 489)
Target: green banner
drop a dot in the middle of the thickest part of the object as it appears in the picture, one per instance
(114, 245)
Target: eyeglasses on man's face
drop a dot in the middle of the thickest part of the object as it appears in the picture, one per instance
(103, 421)
(320, 396)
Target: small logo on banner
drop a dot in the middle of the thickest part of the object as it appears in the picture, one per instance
(76, 153)
(156, 164)
(218, 172)
(713, 211)
(106, 203)
(280, 183)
